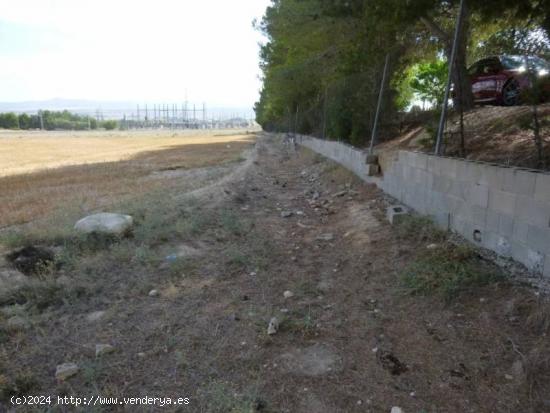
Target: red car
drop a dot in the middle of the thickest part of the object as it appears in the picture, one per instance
(503, 79)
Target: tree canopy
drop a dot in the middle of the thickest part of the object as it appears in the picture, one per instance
(323, 59)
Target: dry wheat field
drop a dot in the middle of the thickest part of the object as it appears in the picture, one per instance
(43, 173)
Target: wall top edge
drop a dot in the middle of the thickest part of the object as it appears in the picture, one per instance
(473, 161)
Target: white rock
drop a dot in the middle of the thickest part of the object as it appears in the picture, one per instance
(101, 349)
(65, 370)
(288, 294)
(432, 246)
(106, 223)
(396, 409)
(95, 316)
(153, 293)
(325, 237)
(273, 326)
(286, 214)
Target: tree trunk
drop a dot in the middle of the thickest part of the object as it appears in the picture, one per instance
(464, 99)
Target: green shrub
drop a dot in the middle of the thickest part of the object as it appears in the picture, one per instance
(448, 270)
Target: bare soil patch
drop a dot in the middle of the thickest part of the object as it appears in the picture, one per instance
(44, 173)
(352, 337)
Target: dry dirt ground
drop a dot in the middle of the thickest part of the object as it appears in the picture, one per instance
(351, 337)
(43, 172)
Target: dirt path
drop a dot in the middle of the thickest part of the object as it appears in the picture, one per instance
(350, 339)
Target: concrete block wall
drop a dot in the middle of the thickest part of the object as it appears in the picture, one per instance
(506, 210)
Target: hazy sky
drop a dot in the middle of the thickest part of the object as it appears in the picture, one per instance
(138, 50)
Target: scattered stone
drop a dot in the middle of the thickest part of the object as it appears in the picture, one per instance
(324, 286)
(316, 195)
(508, 377)
(171, 258)
(65, 371)
(273, 326)
(325, 237)
(518, 369)
(105, 223)
(432, 246)
(286, 214)
(141, 355)
(288, 294)
(101, 349)
(396, 409)
(31, 260)
(284, 310)
(95, 316)
(153, 293)
(340, 194)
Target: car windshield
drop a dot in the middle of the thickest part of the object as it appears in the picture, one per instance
(518, 62)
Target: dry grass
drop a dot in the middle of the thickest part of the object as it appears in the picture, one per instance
(45, 172)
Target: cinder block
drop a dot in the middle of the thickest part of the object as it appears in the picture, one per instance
(459, 189)
(506, 225)
(439, 202)
(492, 176)
(542, 187)
(532, 259)
(448, 167)
(421, 161)
(442, 220)
(500, 201)
(519, 181)
(479, 215)
(497, 243)
(468, 171)
(538, 238)
(492, 220)
(479, 195)
(404, 156)
(395, 212)
(520, 231)
(532, 211)
(442, 184)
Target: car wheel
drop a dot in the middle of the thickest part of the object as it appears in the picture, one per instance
(510, 93)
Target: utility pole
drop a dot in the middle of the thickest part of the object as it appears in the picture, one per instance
(41, 119)
(443, 118)
(379, 105)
